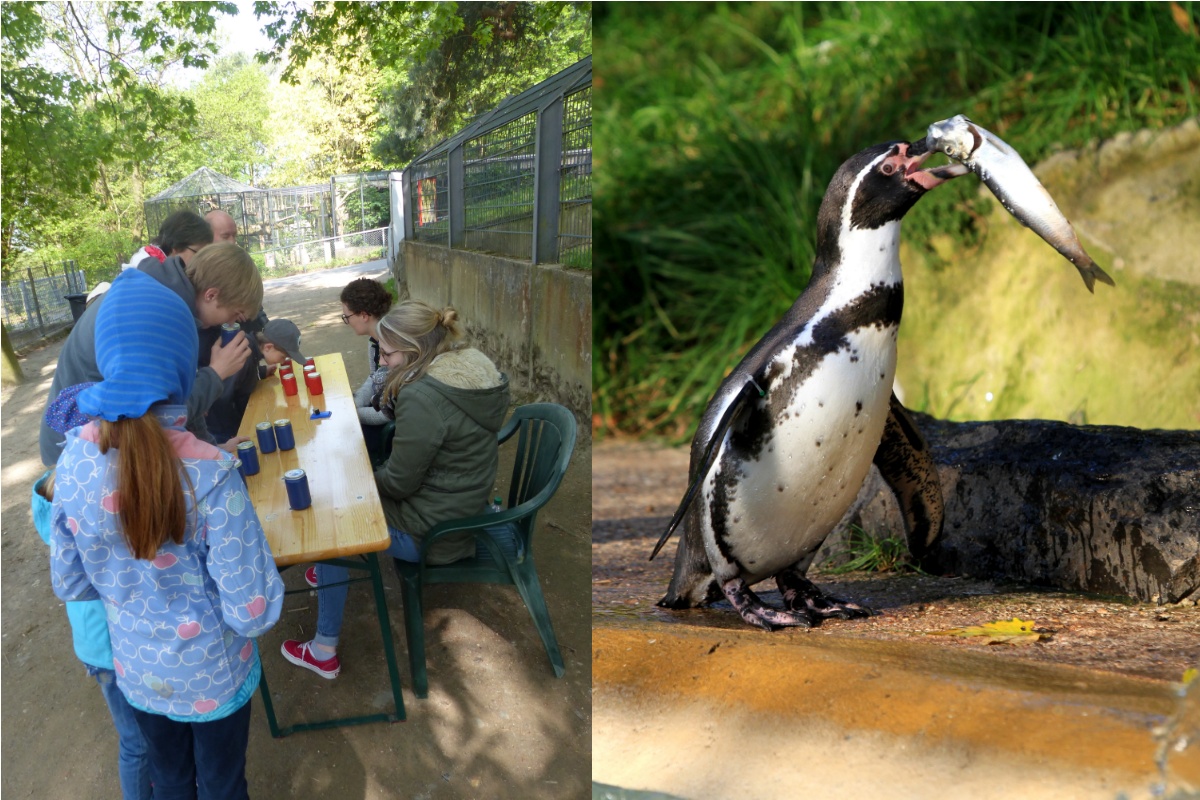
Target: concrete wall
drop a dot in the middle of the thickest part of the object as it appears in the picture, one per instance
(534, 321)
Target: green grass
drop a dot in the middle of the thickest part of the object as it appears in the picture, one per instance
(865, 553)
(717, 127)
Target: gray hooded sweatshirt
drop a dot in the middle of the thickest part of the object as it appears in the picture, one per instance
(77, 361)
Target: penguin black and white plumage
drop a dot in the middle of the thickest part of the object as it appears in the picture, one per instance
(791, 433)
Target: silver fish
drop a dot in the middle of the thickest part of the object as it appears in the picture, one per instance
(1015, 186)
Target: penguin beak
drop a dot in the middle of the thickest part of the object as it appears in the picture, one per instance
(914, 155)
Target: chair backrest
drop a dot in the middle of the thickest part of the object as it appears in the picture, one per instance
(546, 440)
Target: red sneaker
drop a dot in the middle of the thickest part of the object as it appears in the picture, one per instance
(310, 576)
(301, 654)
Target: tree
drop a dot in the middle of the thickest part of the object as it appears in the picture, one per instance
(443, 62)
(327, 122)
(232, 103)
(85, 106)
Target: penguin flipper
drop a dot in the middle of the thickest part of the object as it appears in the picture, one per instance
(906, 464)
(710, 455)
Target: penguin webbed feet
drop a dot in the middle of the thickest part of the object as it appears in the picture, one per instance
(801, 594)
(755, 612)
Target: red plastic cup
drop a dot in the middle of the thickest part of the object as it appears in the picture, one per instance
(289, 385)
(313, 381)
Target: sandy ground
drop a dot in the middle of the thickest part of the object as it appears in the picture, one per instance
(497, 724)
(698, 704)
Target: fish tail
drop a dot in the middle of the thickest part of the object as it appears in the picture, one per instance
(1091, 272)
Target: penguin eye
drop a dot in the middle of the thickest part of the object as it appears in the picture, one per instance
(888, 168)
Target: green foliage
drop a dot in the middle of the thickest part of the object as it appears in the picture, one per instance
(230, 133)
(84, 107)
(865, 553)
(443, 63)
(718, 127)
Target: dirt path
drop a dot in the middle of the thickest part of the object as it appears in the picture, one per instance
(497, 724)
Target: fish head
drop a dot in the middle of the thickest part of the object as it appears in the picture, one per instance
(957, 137)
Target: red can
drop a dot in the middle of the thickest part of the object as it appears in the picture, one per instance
(289, 384)
(310, 362)
(285, 367)
(313, 381)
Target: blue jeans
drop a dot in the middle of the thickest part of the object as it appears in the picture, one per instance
(331, 602)
(198, 759)
(133, 765)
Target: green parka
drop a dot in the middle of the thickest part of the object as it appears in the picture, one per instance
(444, 453)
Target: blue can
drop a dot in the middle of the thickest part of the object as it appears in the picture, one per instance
(228, 331)
(249, 458)
(297, 488)
(266, 437)
(284, 435)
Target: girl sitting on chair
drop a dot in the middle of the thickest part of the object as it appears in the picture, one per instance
(449, 403)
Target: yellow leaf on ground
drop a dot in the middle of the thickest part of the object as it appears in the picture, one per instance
(1189, 675)
(1013, 631)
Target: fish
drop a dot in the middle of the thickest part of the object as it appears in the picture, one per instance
(1003, 170)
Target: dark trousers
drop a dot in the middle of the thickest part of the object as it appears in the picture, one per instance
(197, 759)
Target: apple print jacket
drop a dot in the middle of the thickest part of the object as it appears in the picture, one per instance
(181, 625)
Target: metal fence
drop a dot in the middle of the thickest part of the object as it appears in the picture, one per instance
(273, 218)
(316, 254)
(517, 181)
(36, 306)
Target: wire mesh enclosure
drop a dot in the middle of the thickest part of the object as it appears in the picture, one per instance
(575, 181)
(42, 302)
(285, 219)
(498, 189)
(517, 181)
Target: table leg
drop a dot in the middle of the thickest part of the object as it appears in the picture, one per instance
(385, 627)
(370, 563)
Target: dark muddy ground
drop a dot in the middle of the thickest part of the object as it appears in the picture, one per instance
(636, 489)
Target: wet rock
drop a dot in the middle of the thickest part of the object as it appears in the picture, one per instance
(1101, 509)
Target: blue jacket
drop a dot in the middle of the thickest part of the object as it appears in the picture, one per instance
(89, 626)
(180, 624)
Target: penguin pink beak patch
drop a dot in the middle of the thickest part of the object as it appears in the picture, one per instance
(910, 165)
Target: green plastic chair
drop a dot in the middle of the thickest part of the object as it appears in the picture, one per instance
(504, 539)
(385, 445)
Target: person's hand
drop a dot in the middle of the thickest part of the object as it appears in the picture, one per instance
(231, 446)
(227, 360)
(271, 369)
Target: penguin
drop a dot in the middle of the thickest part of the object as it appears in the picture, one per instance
(787, 440)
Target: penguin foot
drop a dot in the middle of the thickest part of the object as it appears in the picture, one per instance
(802, 595)
(757, 613)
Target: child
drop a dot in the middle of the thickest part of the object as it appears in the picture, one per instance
(157, 525)
(450, 402)
(280, 340)
(89, 632)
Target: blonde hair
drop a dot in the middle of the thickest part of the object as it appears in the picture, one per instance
(423, 333)
(150, 481)
(232, 272)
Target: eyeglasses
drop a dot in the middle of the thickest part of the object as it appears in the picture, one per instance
(345, 319)
(387, 354)
(191, 249)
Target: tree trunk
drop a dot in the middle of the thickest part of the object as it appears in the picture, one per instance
(10, 369)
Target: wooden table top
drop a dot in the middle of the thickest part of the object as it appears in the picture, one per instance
(345, 517)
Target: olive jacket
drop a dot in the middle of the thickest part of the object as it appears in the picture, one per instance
(444, 453)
